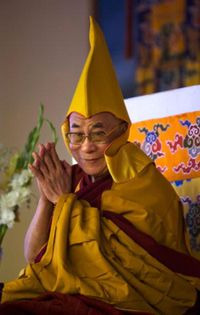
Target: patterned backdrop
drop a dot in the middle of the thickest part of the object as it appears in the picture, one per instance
(154, 44)
(168, 39)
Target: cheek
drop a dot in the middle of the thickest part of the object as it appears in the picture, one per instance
(98, 151)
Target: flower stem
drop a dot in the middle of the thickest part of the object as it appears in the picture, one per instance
(3, 229)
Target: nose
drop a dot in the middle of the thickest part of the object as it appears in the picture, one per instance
(88, 146)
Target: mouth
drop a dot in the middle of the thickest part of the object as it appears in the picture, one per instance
(93, 160)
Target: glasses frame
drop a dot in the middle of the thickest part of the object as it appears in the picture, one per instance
(84, 136)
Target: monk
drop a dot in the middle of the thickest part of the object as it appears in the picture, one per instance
(107, 236)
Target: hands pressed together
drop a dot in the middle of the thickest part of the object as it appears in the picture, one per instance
(53, 176)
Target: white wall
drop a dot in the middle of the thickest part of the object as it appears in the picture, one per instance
(163, 104)
(43, 45)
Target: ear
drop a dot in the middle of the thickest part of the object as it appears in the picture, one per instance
(124, 125)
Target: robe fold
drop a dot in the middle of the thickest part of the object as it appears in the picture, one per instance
(91, 254)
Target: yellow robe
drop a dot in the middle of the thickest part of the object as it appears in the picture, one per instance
(90, 255)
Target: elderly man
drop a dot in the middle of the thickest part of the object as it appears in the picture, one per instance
(109, 230)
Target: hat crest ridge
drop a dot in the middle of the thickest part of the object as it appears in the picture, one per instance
(98, 89)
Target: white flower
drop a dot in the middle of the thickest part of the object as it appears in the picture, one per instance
(24, 194)
(20, 179)
(7, 216)
(15, 197)
(18, 193)
(15, 178)
(10, 199)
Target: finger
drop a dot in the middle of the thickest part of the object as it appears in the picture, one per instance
(55, 157)
(44, 188)
(48, 146)
(41, 150)
(40, 164)
(49, 162)
(36, 172)
(36, 162)
(48, 157)
(36, 158)
(45, 156)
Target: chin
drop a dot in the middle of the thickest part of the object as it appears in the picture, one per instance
(94, 171)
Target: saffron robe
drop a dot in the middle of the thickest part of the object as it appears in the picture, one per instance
(88, 254)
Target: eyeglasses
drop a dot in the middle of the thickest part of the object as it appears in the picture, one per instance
(99, 137)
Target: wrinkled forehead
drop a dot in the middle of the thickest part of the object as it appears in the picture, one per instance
(104, 118)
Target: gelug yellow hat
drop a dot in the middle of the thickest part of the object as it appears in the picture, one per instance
(98, 89)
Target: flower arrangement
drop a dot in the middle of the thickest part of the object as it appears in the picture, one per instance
(15, 177)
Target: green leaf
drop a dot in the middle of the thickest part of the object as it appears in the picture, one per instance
(3, 229)
(40, 118)
(12, 165)
(53, 129)
(26, 155)
(32, 140)
(20, 161)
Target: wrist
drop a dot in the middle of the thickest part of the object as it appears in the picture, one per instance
(45, 203)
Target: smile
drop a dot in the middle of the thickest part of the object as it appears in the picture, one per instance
(91, 160)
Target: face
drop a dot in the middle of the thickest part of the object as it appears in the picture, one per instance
(90, 155)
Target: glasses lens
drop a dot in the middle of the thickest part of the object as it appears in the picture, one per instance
(98, 136)
(75, 138)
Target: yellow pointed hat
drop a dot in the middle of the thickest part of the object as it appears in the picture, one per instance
(98, 89)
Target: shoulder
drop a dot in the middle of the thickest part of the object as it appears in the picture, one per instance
(126, 162)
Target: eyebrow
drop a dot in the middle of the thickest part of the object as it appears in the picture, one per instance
(74, 125)
(96, 125)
